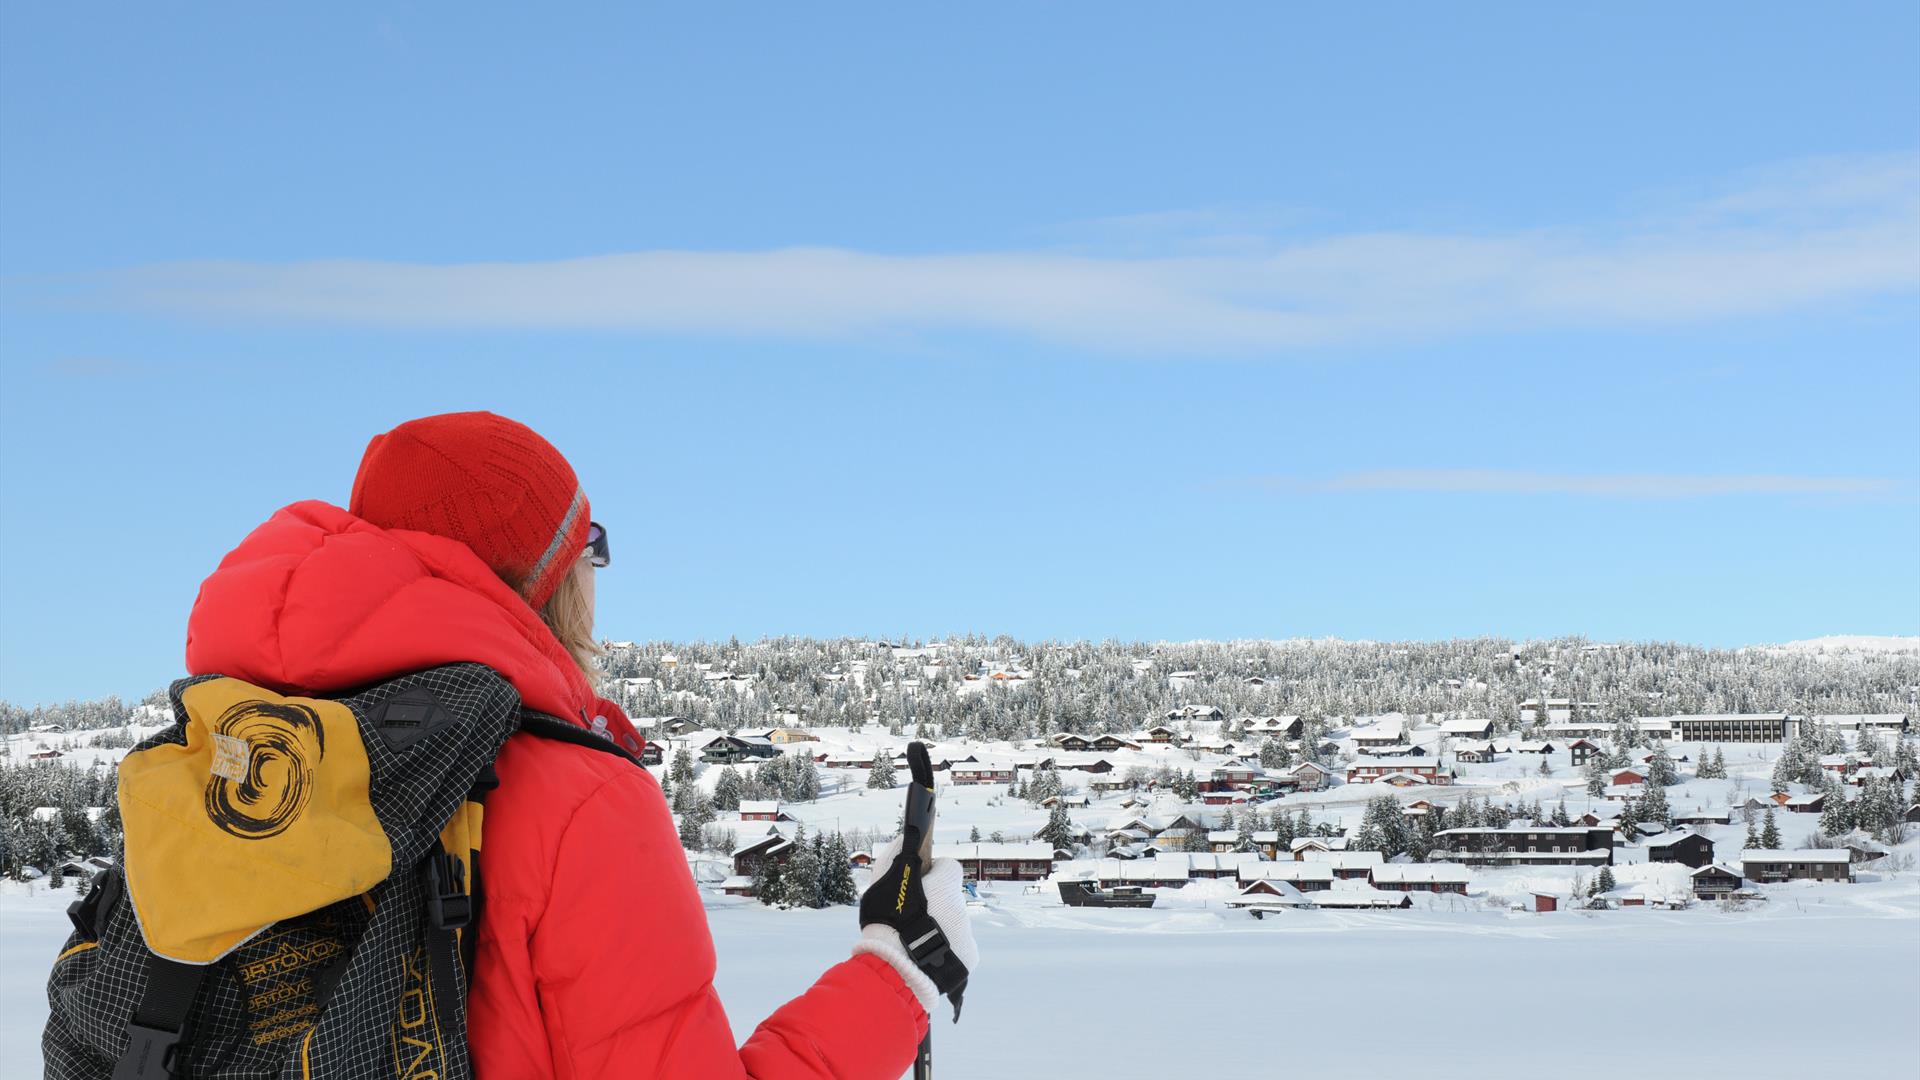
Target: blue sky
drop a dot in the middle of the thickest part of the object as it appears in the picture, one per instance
(1103, 321)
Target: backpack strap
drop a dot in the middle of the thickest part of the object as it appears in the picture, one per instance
(159, 1023)
(449, 911)
(552, 727)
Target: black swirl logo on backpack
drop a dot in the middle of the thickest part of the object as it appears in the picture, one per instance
(283, 742)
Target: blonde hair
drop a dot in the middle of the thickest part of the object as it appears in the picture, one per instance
(569, 615)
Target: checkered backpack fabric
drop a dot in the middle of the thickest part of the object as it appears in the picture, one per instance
(295, 889)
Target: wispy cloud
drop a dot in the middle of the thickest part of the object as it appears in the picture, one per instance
(1619, 485)
(1812, 234)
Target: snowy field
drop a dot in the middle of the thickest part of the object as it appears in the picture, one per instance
(1818, 980)
(1809, 985)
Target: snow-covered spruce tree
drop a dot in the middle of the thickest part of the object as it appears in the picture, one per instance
(1546, 767)
(1243, 838)
(1044, 785)
(681, 770)
(1369, 838)
(1603, 882)
(1274, 754)
(1836, 817)
(77, 832)
(1630, 819)
(802, 873)
(1389, 821)
(696, 814)
(1878, 809)
(1660, 770)
(1770, 832)
(1865, 744)
(1560, 817)
(880, 777)
(973, 835)
(1596, 772)
(1653, 804)
(1058, 831)
(726, 790)
(1753, 836)
(836, 873)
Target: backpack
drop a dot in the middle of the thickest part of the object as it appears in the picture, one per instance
(296, 889)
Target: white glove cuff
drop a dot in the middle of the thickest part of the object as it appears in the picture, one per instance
(884, 942)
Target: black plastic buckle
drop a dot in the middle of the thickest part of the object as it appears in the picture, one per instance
(150, 1053)
(448, 903)
(929, 950)
(89, 914)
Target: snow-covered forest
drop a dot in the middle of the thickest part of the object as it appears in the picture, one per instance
(1111, 686)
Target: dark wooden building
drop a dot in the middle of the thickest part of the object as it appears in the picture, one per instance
(1003, 862)
(1681, 847)
(1821, 864)
(748, 856)
(1525, 845)
(1735, 727)
(1715, 882)
(732, 749)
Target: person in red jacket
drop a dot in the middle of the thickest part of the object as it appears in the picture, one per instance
(468, 538)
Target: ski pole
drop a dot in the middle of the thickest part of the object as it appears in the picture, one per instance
(918, 827)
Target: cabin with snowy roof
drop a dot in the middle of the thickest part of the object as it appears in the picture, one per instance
(1714, 882)
(748, 856)
(1421, 770)
(1525, 845)
(1767, 867)
(1281, 727)
(1002, 862)
(1419, 877)
(762, 810)
(1681, 846)
(982, 772)
(1304, 876)
(1477, 730)
(1806, 804)
(1309, 776)
(1476, 753)
(1390, 731)
(1347, 865)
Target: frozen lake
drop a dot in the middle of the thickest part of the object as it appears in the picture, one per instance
(1814, 984)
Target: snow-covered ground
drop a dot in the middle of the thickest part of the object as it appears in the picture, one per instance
(1818, 982)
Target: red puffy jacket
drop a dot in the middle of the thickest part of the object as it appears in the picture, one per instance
(594, 957)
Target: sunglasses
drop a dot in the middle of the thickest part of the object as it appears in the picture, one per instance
(596, 544)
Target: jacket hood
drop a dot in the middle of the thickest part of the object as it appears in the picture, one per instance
(317, 601)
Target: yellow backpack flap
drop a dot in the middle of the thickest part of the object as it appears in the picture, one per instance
(261, 815)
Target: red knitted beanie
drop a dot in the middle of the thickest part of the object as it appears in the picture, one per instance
(487, 481)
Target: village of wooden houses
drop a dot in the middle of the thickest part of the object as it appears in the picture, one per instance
(1391, 813)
